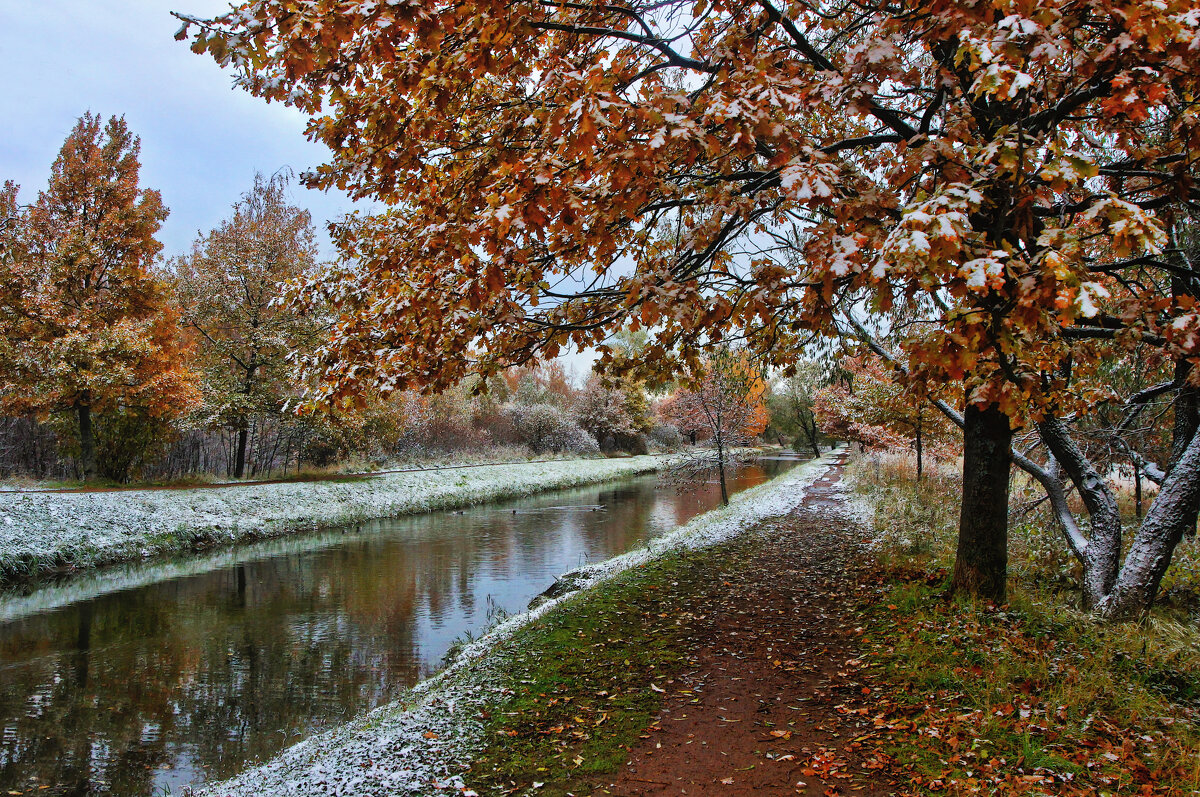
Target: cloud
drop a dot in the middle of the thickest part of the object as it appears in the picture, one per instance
(202, 140)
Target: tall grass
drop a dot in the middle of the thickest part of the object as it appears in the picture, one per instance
(919, 521)
(1050, 694)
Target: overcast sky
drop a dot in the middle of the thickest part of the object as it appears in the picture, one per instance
(202, 140)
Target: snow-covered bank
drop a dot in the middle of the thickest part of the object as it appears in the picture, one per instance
(420, 745)
(46, 531)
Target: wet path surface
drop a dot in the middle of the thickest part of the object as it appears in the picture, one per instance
(774, 701)
(143, 680)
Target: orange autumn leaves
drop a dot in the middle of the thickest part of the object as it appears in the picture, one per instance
(555, 171)
(86, 322)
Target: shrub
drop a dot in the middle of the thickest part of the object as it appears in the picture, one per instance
(546, 428)
(666, 437)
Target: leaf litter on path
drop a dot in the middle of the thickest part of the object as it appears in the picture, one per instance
(775, 699)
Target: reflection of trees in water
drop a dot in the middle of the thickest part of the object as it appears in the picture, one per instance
(103, 694)
(225, 662)
(95, 697)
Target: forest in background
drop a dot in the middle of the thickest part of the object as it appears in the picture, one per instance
(122, 365)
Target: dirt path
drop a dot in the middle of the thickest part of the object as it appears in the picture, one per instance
(774, 701)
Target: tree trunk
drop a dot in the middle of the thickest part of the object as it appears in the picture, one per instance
(87, 442)
(239, 463)
(920, 458)
(721, 470)
(1137, 488)
(981, 565)
(1171, 514)
(1187, 421)
(1102, 557)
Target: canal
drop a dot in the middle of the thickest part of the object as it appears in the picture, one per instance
(147, 678)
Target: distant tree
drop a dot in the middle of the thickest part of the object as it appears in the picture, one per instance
(622, 352)
(230, 287)
(86, 323)
(868, 405)
(790, 404)
(619, 413)
(726, 405)
(538, 383)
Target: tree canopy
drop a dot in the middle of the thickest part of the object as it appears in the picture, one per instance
(1008, 176)
(1003, 156)
(86, 323)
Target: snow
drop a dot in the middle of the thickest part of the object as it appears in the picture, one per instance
(41, 531)
(853, 506)
(419, 745)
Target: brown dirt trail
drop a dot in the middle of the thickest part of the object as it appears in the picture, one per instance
(774, 702)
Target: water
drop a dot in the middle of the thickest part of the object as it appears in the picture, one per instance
(141, 680)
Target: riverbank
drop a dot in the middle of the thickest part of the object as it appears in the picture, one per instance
(794, 643)
(428, 741)
(49, 532)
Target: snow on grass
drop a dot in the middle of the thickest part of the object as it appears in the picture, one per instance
(419, 745)
(856, 506)
(47, 531)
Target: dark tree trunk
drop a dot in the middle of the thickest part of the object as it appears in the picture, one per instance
(981, 565)
(1137, 488)
(239, 462)
(810, 431)
(920, 458)
(243, 432)
(721, 470)
(1187, 420)
(87, 441)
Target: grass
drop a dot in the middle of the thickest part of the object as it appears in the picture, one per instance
(586, 679)
(1034, 697)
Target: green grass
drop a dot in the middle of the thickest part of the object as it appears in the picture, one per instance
(584, 679)
(1034, 697)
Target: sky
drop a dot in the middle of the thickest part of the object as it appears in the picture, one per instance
(202, 139)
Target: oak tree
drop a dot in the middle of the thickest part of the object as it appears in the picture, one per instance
(87, 326)
(751, 169)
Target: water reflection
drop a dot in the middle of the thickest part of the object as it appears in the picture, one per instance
(142, 680)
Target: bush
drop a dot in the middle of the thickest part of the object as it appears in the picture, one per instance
(546, 428)
(666, 437)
